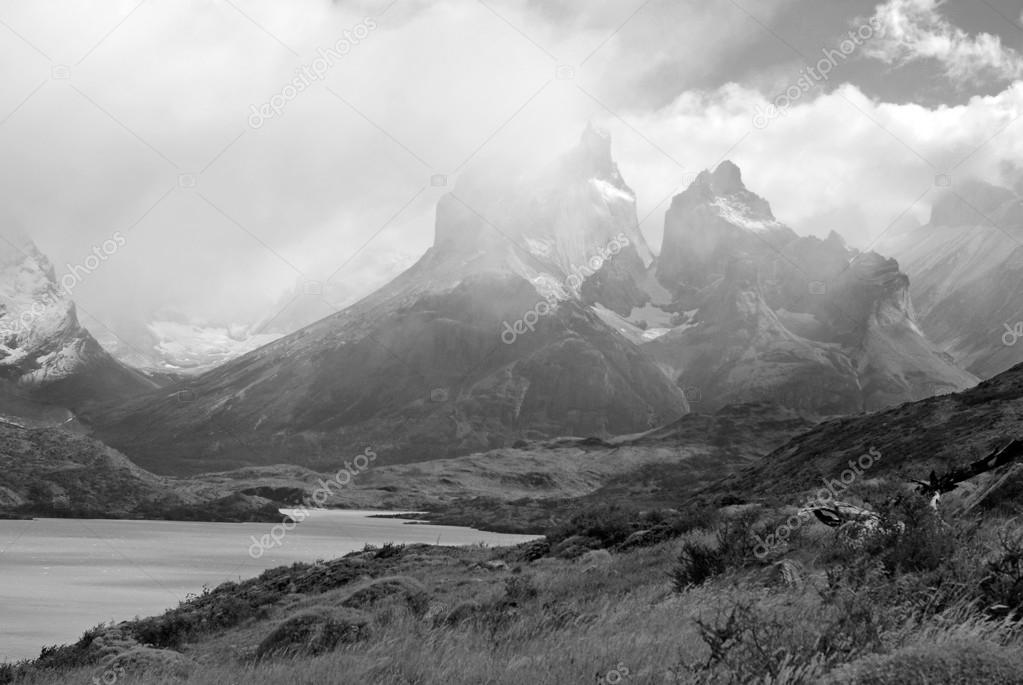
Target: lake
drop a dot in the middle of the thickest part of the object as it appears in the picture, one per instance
(59, 577)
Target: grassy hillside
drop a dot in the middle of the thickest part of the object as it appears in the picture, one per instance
(57, 473)
(533, 487)
(729, 584)
(939, 433)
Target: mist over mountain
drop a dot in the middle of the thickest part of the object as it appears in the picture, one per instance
(511, 341)
(763, 314)
(487, 339)
(966, 274)
(46, 356)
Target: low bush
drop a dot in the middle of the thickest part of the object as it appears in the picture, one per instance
(697, 563)
(733, 548)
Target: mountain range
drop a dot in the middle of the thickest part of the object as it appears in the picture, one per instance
(539, 312)
(772, 316)
(424, 368)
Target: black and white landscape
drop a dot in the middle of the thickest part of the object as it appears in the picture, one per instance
(495, 341)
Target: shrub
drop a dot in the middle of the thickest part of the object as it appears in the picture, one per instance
(1001, 588)
(734, 547)
(914, 538)
(389, 550)
(908, 537)
(697, 563)
(609, 524)
(519, 589)
(799, 637)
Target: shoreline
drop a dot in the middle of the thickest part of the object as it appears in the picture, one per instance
(139, 566)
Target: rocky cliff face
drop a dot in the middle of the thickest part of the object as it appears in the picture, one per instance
(714, 222)
(770, 316)
(486, 340)
(966, 271)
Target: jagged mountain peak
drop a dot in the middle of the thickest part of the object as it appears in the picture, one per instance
(595, 145)
(836, 238)
(15, 245)
(726, 179)
(544, 224)
(45, 353)
(725, 194)
(713, 221)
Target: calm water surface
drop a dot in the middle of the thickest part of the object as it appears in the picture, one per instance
(59, 577)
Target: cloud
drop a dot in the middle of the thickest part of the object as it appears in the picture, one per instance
(840, 161)
(913, 30)
(105, 106)
(340, 182)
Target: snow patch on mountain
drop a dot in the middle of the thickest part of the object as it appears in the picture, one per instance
(612, 193)
(738, 213)
(197, 347)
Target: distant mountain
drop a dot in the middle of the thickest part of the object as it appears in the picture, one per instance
(46, 356)
(966, 275)
(52, 472)
(762, 314)
(488, 339)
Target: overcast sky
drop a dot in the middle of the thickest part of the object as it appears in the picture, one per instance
(137, 117)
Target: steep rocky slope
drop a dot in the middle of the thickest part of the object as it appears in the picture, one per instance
(939, 433)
